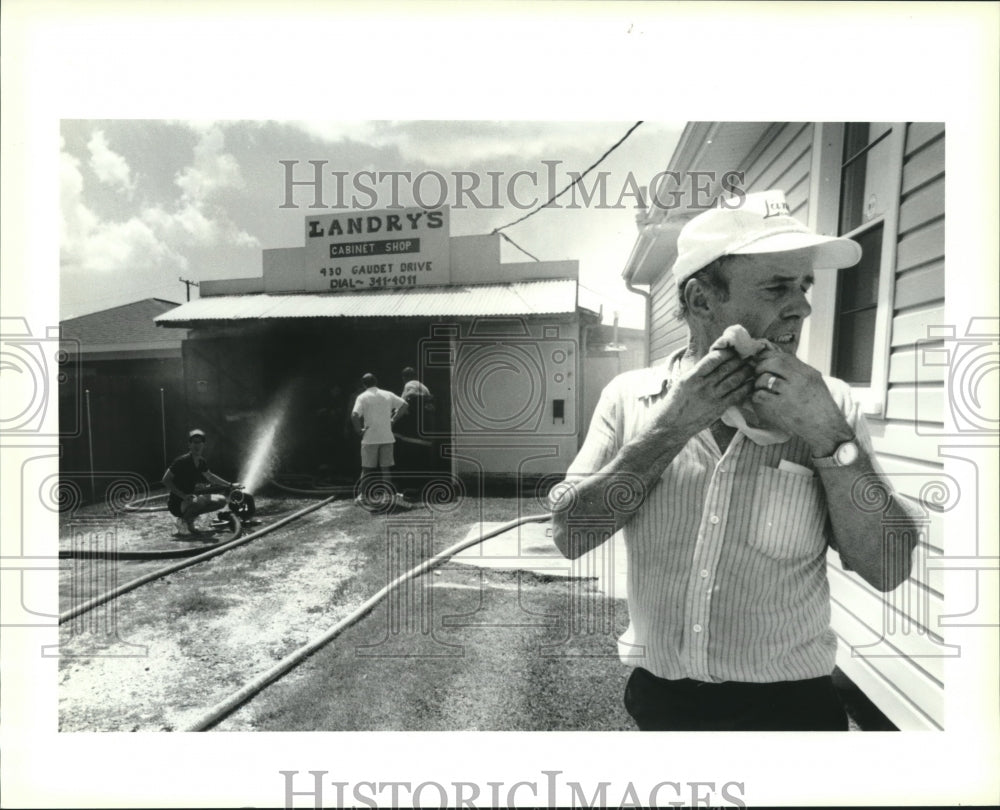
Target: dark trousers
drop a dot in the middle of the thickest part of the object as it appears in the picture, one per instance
(658, 704)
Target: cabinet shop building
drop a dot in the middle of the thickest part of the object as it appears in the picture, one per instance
(877, 326)
(498, 345)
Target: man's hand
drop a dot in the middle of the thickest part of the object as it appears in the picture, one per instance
(720, 379)
(791, 395)
(699, 397)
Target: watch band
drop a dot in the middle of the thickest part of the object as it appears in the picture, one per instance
(845, 454)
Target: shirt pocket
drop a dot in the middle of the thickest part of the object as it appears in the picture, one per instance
(788, 515)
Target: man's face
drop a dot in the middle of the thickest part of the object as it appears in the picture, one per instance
(197, 445)
(767, 295)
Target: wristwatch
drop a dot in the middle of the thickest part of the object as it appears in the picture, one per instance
(844, 456)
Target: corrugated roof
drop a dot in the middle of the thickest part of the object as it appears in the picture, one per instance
(130, 325)
(544, 297)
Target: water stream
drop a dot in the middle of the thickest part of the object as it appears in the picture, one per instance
(263, 457)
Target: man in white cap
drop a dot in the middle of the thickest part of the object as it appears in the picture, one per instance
(730, 470)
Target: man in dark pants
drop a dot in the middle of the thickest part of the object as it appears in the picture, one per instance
(740, 461)
(186, 476)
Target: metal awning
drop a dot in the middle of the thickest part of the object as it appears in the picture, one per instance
(543, 297)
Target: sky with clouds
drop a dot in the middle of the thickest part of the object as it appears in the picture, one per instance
(147, 202)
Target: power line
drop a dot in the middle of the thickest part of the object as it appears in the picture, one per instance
(554, 197)
(515, 244)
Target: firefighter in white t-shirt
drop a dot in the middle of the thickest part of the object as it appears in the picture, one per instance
(373, 416)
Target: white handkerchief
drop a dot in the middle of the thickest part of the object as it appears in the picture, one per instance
(739, 339)
(734, 418)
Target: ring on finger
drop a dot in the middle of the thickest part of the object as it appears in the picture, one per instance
(771, 382)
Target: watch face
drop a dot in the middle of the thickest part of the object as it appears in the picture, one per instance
(847, 453)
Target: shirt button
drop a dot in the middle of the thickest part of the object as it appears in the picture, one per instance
(704, 573)
(714, 519)
(697, 628)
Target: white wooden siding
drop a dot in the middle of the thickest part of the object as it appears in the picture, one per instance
(667, 332)
(906, 680)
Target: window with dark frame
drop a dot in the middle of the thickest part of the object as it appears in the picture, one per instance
(865, 193)
(857, 300)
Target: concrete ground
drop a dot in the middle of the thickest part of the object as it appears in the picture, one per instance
(508, 635)
(530, 548)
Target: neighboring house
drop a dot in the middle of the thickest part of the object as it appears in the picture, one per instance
(873, 325)
(125, 383)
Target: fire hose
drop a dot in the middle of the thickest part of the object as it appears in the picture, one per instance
(90, 604)
(241, 506)
(138, 505)
(228, 705)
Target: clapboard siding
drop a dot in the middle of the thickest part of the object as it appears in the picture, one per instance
(789, 144)
(935, 541)
(920, 133)
(925, 692)
(922, 206)
(923, 166)
(666, 330)
(910, 366)
(908, 685)
(793, 175)
(926, 573)
(897, 705)
(667, 345)
(915, 404)
(920, 286)
(664, 304)
(908, 696)
(798, 199)
(893, 619)
(920, 247)
(910, 326)
(898, 438)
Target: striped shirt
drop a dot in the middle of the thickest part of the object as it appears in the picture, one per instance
(727, 554)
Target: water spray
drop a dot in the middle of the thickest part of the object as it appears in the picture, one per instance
(262, 459)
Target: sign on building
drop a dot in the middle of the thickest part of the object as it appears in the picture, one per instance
(377, 250)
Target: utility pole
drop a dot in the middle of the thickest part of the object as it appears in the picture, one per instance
(188, 285)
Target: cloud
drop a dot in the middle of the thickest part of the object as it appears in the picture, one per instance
(76, 220)
(189, 226)
(199, 220)
(92, 245)
(155, 237)
(213, 169)
(110, 167)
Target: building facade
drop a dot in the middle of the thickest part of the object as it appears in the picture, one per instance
(498, 345)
